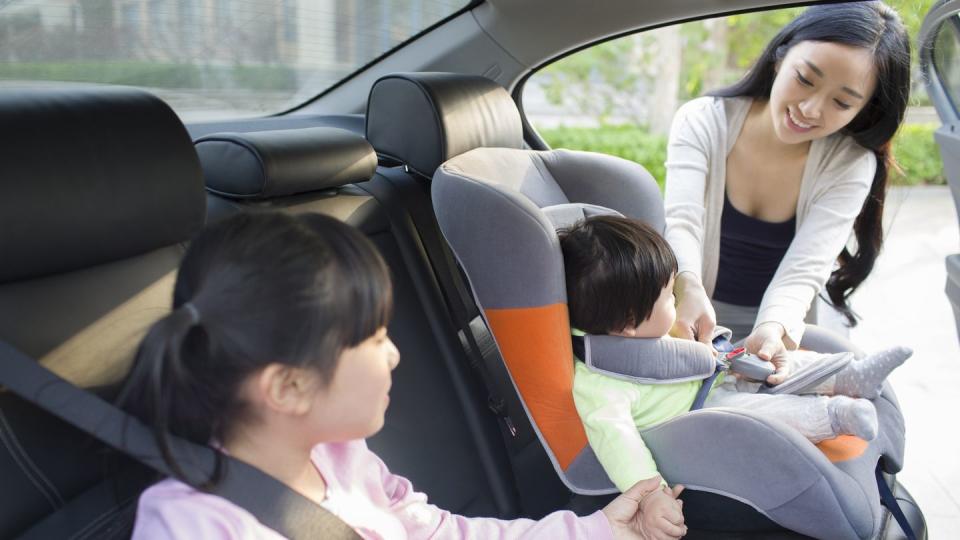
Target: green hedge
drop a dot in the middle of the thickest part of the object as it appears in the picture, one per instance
(914, 148)
(918, 156)
(156, 75)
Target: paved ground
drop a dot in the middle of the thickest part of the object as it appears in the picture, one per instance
(903, 301)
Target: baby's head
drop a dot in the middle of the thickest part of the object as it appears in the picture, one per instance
(619, 274)
(274, 317)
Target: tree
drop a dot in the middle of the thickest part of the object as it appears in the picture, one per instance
(630, 79)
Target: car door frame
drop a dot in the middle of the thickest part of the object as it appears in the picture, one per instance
(948, 109)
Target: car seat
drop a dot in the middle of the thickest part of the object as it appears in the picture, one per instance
(490, 206)
(101, 190)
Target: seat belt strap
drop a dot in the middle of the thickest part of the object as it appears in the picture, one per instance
(273, 503)
(705, 387)
(888, 500)
(458, 300)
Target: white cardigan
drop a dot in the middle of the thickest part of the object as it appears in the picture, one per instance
(835, 183)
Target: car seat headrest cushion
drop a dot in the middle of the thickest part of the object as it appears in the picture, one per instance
(564, 216)
(92, 176)
(648, 361)
(267, 164)
(424, 119)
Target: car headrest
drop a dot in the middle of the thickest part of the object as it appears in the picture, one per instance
(266, 164)
(92, 176)
(424, 119)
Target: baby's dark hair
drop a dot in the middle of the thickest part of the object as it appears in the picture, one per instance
(254, 289)
(615, 269)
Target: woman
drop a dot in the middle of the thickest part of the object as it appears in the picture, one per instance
(766, 178)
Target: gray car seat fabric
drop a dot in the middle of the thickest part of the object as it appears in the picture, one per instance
(629, 359)
(508, 249)
(101, 189)
(490, 205)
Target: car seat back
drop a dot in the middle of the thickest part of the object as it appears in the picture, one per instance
(101, 190)
(516, 268)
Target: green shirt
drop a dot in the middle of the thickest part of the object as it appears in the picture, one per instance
(613, 411)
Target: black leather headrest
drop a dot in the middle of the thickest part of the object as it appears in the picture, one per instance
(92, 176)
(265, 164)
(424, 119)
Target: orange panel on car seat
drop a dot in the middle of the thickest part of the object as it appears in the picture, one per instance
(842, 448)
(537, 348)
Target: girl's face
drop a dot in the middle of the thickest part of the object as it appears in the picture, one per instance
(352, 406)
(819, 88)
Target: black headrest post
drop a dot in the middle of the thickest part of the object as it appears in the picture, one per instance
(424, 119)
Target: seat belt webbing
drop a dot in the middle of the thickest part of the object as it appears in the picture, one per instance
(890, 501)
(269, 500)
(458, 299)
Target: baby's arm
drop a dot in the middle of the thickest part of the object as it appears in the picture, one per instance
(606, 415)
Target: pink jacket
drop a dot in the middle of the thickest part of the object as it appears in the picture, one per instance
(362, 492)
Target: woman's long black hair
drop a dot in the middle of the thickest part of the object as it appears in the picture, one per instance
(875, 27)
(254, 289)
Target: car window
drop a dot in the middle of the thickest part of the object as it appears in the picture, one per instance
(619, 97)
(207, 58)
(946, 58)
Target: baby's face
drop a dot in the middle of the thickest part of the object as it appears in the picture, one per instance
(661, 319)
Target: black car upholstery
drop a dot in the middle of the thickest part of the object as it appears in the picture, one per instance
(101, 190)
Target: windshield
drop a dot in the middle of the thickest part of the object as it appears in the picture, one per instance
(207, 58)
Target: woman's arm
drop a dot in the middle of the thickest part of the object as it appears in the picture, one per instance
(688, 158)
(687, 165)
(696, 318)
(809, 260)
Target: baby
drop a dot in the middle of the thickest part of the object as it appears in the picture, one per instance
(619, 275)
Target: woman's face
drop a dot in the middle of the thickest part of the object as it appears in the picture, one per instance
(819, 88)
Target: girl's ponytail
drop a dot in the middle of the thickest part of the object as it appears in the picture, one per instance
(160, 382)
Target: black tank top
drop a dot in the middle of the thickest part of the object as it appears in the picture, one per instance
(750, 252)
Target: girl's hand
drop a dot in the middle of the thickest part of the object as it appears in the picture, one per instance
(647, 511)
(696, 318)
(766, 341)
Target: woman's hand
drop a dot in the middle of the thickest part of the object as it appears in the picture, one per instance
(766, 341)
(696, 318)
(647, 511)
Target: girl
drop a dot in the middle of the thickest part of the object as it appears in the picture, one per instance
(277, 353)
(766, 178)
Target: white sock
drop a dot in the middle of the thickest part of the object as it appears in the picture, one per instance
(864, 378)
(849, 416)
